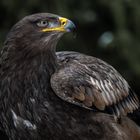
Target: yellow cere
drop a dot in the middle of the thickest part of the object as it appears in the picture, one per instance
(61, 28)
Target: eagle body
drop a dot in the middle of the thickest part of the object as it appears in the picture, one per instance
(56, 96)
(35, 112)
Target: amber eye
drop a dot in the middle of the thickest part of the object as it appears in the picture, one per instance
(42, 23)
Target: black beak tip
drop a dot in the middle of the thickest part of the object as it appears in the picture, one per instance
(70, 27)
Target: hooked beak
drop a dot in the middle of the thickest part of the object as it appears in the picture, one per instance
(66, 25)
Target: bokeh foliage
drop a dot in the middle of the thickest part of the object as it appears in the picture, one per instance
(105, 28)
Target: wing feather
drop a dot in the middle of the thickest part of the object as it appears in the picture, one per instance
(89, 82)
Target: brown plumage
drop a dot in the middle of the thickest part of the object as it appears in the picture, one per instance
(48, 95)
(87, 81)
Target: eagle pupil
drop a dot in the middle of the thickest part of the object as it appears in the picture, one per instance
(42, 23)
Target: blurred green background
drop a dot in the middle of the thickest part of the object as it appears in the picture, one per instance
(106, 29)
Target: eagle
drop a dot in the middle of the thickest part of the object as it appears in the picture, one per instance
(52, 95)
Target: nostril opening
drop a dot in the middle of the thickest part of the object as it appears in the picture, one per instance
(63, 23)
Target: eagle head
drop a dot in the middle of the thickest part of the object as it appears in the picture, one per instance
(38, 32)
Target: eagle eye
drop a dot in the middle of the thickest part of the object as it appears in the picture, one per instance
(42, 23)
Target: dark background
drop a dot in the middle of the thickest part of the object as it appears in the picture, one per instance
(106, 29)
